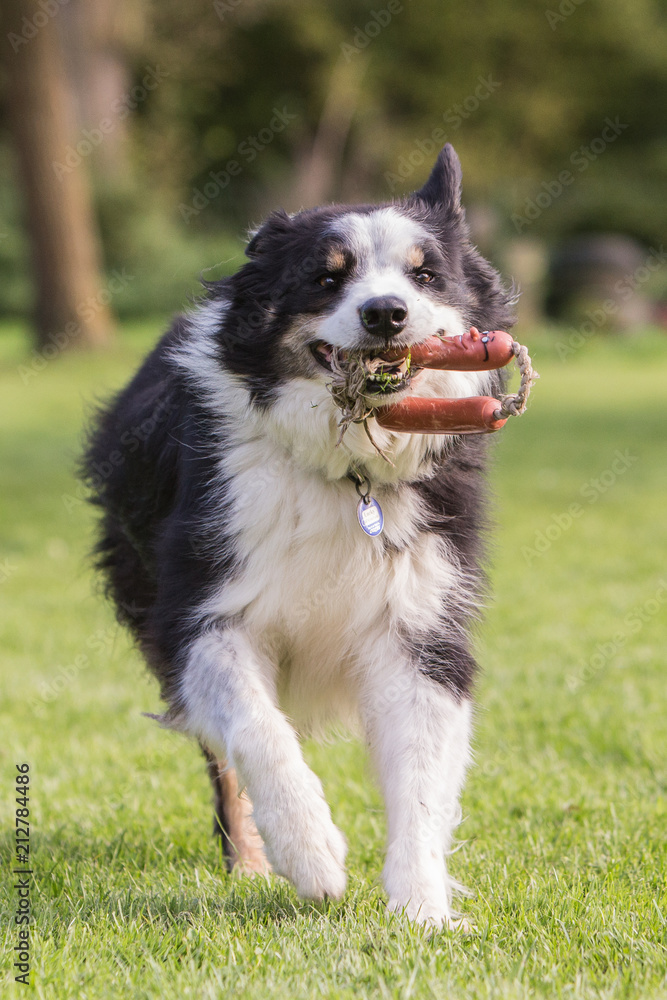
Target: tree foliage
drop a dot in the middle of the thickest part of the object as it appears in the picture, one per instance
(549, 75)
(365, 92)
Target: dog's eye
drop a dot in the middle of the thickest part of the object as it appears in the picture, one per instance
(424, 277)
(328, 280)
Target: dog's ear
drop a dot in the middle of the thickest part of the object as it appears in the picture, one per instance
(444, 184)
(277, 224)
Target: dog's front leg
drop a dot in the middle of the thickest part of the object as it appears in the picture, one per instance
(229, 704)
(419, 736)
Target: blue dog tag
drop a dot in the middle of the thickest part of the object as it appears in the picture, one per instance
(370, 516)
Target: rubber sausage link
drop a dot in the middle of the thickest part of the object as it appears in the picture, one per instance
(417, 415)
(470, 352)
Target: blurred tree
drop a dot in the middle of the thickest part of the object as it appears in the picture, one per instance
(98, 37)
(518, 86)
(317, 172)
(309, 101)
(71, 306)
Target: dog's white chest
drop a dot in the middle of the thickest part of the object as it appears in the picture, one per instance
(305, 560)
(312, 588)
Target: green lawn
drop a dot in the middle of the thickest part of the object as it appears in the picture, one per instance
(564, 810)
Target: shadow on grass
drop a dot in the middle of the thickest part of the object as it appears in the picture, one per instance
(131, 880)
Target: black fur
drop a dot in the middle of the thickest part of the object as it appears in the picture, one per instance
(455, 497)
(149, 465)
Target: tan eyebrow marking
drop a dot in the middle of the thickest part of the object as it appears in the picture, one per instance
(336, 259)
(415, 256)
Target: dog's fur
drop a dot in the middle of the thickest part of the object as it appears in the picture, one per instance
(232, 550)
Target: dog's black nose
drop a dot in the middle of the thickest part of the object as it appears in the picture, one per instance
(384, 315)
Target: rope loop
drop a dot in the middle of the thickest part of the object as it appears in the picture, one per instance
(514, 404)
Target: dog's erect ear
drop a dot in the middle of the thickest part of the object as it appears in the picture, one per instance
(444, 185)
(277, 224)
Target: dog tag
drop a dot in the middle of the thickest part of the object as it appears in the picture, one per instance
(370, 516)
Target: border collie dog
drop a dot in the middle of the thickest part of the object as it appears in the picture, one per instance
(232, 549)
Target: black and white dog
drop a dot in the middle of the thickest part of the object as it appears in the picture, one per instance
(232, 549)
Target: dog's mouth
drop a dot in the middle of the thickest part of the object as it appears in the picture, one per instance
(386, 371)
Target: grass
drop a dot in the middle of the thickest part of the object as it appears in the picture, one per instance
(564, 810)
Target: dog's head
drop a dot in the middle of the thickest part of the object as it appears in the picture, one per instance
(367, 279)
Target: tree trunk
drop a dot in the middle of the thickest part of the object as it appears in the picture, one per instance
(96, 36)
(71, 303)
(317, 173)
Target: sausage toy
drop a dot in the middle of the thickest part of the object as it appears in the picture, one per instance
(417, 415)
(470, 352)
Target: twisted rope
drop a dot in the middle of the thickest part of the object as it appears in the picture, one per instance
(514, 404)
(347, 386)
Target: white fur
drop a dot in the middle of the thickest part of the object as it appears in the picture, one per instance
(419, 736)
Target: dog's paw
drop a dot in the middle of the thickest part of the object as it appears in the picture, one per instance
(432, 916)
(251, 864)
(303, 844)
(318, 869)
(420, 892)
